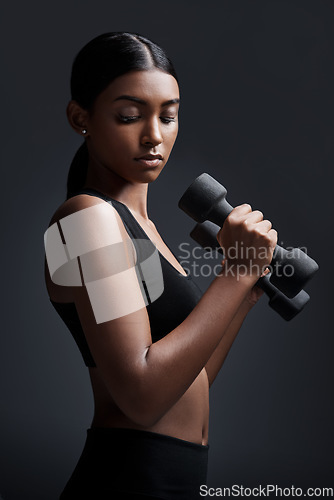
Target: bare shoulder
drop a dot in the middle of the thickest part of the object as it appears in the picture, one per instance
(91, 215)
(83, 225)
(75, 204)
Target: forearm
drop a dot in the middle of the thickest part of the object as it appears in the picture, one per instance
(219, 355)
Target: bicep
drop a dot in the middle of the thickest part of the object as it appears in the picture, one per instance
(111, 302)
(118, 345)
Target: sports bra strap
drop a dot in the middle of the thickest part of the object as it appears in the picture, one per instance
(131, 224)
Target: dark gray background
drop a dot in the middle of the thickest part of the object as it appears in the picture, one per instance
(257, 113)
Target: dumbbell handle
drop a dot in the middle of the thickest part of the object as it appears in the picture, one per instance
(221, 211)
(205, 199)
(206, 235)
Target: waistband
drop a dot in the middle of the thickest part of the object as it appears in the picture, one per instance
(123, 433)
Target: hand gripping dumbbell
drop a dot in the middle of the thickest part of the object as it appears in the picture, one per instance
(205, 199)
(205, 234)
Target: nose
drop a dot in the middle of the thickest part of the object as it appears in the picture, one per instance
(151, 133)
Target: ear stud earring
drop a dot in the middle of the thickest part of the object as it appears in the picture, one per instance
(84, 131)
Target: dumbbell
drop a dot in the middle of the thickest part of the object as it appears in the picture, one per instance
(205, 199)
(205, 234)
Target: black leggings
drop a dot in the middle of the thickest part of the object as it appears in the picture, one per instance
(129, 463)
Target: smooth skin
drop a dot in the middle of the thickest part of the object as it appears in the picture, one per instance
(161, 387)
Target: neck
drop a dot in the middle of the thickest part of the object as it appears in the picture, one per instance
(132, 194)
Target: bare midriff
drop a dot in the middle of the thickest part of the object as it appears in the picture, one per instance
(188, 419)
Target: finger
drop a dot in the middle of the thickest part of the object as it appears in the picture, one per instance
(254, 217)
(242, 209)
(264, 226)
(273, 235)
(265, 272)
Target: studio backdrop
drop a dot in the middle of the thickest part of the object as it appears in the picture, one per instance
(256, 113)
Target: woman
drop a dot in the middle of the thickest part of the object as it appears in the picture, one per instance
(152, 341)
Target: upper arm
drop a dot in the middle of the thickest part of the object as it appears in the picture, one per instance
(95, 256)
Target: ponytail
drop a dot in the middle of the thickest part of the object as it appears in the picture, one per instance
(78, 171)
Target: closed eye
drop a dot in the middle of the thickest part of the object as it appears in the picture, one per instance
(133, 118)
(167, 120)
(128, 119)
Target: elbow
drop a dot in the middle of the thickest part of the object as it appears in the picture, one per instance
(143, 409)
(142, 403)
(139, 396)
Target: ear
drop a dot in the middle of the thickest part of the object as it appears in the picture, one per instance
(77, 117)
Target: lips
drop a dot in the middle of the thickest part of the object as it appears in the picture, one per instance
(150, 157)
(150, 160)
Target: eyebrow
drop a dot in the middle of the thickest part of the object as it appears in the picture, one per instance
(141, 101)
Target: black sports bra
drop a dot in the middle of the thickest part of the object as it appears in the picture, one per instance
(178, 299)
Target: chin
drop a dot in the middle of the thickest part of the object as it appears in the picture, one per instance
(155, 175)
(148, 176)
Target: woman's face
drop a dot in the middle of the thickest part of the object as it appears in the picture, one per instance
(135, 116)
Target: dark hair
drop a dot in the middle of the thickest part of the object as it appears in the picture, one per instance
(98, 63)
